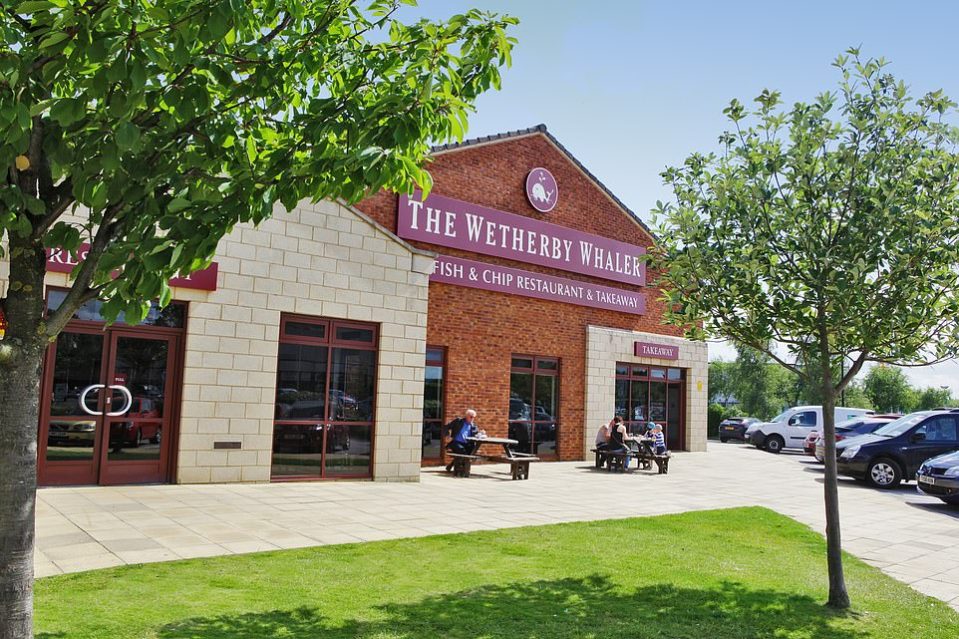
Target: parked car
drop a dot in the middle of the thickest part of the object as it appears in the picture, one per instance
(735, 428)
(896, 451)
(939, 477)
(851, 428)
(790, 428)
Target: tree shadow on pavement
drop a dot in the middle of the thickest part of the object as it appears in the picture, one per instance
(593, 607)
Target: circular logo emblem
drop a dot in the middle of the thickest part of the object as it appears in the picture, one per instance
(541, 190)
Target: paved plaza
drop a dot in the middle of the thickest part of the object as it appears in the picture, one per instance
(910, 537)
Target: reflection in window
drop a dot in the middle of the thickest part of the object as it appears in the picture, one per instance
(324, 399)
(433, 404)
(171, 316)
(534, 404)
(650, 394)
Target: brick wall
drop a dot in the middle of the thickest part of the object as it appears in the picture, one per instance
(481, 329)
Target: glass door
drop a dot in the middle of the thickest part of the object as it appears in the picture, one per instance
(137, 408)
(70, 425)
(107, 407)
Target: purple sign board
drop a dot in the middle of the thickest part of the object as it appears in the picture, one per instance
(647, 349)
(541, 190)
(456, 224)
(493, 277)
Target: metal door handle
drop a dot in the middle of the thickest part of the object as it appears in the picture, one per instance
(129, 397)
(83, 399)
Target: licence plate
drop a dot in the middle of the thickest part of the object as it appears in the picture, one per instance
(925, 479)
(729, 428)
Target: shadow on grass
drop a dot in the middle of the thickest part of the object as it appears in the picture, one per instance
(566, 608)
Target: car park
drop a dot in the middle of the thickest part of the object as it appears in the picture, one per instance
(939, 477)
(790, 428)
(851, 428)
(895, 452)
(735, 428)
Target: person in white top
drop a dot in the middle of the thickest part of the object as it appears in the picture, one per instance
(602, 435)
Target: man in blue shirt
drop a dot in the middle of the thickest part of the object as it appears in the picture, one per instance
(460, 429)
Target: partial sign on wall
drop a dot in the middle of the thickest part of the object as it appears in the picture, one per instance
(471, 227)
(60, 260)
(493, 277)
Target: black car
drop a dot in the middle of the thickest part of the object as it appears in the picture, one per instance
(844, 430)
(896, 451)
(735, 428)
(939, 477)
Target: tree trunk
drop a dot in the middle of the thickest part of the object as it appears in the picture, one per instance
(838, 597)
(21, 355)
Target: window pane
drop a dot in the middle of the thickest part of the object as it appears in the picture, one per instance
(77, 367)
(657, 401)
(522, 362)
(354, 334)
(351, 385)
(434, 355)
(433, 395)
(546, 399)
(71, 440)
(432, 440)
(348, 450)
(522, 432)
(622, 398)
(306, 329)
(674, 374)
(544, 438)
(657, 373)
(521, 396)
(297, 450)
(672, 417)
(170, 317)
(640, 371)
(301, 382)
(622, 369)
(639, 409)
(547, 364)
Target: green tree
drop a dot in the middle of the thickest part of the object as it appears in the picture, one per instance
(830, 227)
(889, 390)
(929, 398)
(752, 383)
(855, 396)
(720, 381)
(165, 123)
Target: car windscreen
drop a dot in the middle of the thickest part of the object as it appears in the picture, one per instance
(901, 425)
(781, 417)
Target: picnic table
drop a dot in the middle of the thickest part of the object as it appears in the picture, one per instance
(638, 447)
(518, 461)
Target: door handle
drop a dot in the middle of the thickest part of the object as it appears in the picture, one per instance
(127, 395)
(83, 399)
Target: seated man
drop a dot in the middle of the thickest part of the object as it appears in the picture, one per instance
(460, 429)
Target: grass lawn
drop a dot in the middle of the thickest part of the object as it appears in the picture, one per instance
(725, 574)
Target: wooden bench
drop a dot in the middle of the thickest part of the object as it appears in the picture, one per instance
(462, 463)
(519, 463)
(662, 462)
(612, 460)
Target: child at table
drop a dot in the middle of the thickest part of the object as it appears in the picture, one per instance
(659, 440)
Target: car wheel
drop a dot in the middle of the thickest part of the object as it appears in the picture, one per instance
(139, 439)
(884, 473)
(774, 444)
(724, 439)
(156, 438)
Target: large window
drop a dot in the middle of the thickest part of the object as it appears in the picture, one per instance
(534, 404)
(651, 394)
(326, 379)
(433, 404)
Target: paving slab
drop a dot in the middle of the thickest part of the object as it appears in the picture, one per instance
(913, 538)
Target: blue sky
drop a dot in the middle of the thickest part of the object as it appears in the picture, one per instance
(632, 87)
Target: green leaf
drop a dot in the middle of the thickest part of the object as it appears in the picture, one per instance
(177, 204)
(54, 39)
(127, 135)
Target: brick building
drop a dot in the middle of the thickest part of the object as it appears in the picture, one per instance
(333, 341)
(486, 348)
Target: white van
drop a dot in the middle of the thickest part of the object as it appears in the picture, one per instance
(790, 428)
